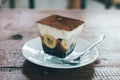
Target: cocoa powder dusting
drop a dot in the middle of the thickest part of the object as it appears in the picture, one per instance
(61, 22)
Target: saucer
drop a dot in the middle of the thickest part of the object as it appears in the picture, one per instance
(33, 51)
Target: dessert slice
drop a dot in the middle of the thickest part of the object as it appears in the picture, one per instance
(59, 34)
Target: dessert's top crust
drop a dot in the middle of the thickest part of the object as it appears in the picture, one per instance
(61, 22)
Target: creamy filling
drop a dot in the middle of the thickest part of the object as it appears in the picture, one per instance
(57, 33)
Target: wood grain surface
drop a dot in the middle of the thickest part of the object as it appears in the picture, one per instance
(22, 22)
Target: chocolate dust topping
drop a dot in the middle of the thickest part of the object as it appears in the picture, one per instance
(61, 22)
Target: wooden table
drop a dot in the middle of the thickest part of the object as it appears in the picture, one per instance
(17, 26)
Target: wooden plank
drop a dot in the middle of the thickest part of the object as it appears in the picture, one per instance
(22, 21)
(43, 73)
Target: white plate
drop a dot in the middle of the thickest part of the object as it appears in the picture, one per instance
(32, 51)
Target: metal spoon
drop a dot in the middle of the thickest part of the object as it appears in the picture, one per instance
(86, 51)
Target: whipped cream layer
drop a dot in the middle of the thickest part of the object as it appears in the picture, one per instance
(58, 33)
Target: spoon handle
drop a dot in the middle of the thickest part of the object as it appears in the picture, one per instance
(91, 46)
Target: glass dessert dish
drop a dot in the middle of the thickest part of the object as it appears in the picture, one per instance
(59, 34)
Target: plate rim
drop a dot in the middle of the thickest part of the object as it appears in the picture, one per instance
(77, 66)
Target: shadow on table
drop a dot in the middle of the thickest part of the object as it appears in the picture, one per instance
(36, 72)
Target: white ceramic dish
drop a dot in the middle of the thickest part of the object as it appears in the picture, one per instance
(32, 51)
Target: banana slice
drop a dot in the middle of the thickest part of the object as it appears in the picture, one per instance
(64, 44)
(49, 41)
